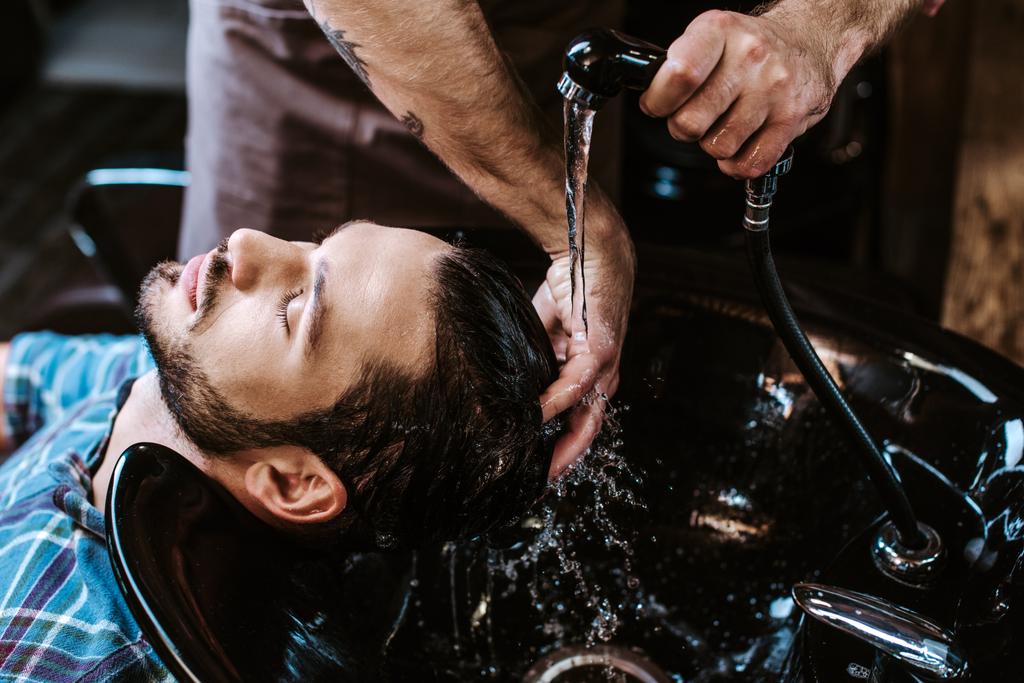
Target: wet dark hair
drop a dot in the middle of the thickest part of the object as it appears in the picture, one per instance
(447, 453)
(460, 449)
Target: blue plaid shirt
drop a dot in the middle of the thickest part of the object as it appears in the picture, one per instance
(62, 617)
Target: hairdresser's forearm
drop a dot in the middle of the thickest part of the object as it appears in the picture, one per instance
(843, 31)
(434, 65)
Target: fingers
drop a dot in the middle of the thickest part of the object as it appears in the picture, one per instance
(717, 113)
(690, 61)
(576, 378)
(584, 424)
(547, 308)
(743, 87)
(726, 136)
(560, 345)
(691, 121)
(759, 153)
(608, 384)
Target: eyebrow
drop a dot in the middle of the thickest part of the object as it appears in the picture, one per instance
(324, 236)
(317, 305)
(317, 309)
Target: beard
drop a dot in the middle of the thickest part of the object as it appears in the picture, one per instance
(201, 412)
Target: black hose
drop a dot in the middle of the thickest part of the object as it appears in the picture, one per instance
(824, 387)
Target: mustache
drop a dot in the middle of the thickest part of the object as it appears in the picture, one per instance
(165, 270)
(216, 272)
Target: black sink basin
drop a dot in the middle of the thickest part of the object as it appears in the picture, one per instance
(669, 555)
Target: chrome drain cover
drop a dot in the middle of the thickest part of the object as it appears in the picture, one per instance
(576, 664)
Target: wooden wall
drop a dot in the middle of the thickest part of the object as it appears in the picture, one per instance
(953, 217)
(927, 77)
(984, 296)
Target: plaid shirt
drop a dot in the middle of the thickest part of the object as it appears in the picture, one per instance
(62, 616)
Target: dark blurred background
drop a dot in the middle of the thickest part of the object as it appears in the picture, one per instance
(912, 189)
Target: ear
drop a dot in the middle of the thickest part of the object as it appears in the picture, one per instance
(294, 485)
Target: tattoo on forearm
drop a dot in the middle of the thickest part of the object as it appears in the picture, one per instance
(413, 123)
(347, 50)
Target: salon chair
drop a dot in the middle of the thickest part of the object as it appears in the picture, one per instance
(123, 220)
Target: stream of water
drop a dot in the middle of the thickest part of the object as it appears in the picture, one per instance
(587, 513)
(579, 125)
(585, 508)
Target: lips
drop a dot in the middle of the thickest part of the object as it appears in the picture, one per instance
(190, 279)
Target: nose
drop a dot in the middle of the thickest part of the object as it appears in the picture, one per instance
(258, 258)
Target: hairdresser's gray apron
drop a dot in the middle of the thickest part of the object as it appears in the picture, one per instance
(284, 138)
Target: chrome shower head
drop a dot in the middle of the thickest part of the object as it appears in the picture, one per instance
(601, 62)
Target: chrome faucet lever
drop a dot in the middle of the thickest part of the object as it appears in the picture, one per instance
(908, 637)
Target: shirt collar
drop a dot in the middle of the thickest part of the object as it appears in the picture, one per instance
(73, 494)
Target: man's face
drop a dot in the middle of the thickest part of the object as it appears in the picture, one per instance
(280, 328)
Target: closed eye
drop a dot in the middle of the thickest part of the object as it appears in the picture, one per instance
(282, 307)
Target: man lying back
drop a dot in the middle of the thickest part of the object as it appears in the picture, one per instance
(381, 383)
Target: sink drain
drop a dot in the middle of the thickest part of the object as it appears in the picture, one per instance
(577, 664)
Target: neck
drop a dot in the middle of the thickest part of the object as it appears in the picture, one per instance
(143, 417)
